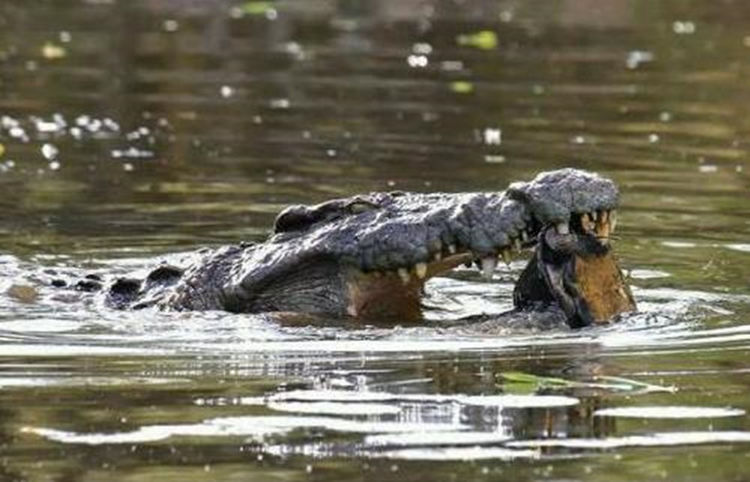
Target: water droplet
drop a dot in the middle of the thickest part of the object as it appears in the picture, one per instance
(653, 138)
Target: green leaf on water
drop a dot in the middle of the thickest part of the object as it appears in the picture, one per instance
(528, 378)
(483, 40)
(521, 382)
(462, 87)
(257, 8)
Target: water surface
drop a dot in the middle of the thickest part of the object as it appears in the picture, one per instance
(132, 130)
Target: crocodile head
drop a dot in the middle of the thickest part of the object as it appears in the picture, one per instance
(368, 256)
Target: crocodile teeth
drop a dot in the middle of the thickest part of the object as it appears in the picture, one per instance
(404, 275)
(506, 256)
(612, 220)
(488, 267)
(562, 228)
(421, 270)
(452, 248)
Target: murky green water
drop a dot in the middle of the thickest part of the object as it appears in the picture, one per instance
(133, 129)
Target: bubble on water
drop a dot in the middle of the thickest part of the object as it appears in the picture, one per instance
(417, 61)
(76, 132)
(653, 138)
(65, 36)
(665, 116)
(708, 168)
(128, 167)
(49, 151)
(17, 132)
(331, 152)
(54, 166)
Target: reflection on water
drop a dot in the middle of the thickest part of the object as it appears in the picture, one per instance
(130, 130)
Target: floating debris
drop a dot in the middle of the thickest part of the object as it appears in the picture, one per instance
(132, 153)
(23, 293)
(637, 57)
(170, 25)
(52, 51)
(417, 61)
(493, 136)
(483, 40)
(462, 87)
(683, 27)
(226, 91)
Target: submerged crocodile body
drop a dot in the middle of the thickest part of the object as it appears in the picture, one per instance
(368, 256)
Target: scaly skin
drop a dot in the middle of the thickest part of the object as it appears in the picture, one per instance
(368, 256)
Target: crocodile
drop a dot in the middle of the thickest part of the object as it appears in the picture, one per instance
(367, 257)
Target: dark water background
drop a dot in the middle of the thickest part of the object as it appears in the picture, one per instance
(133, 129)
